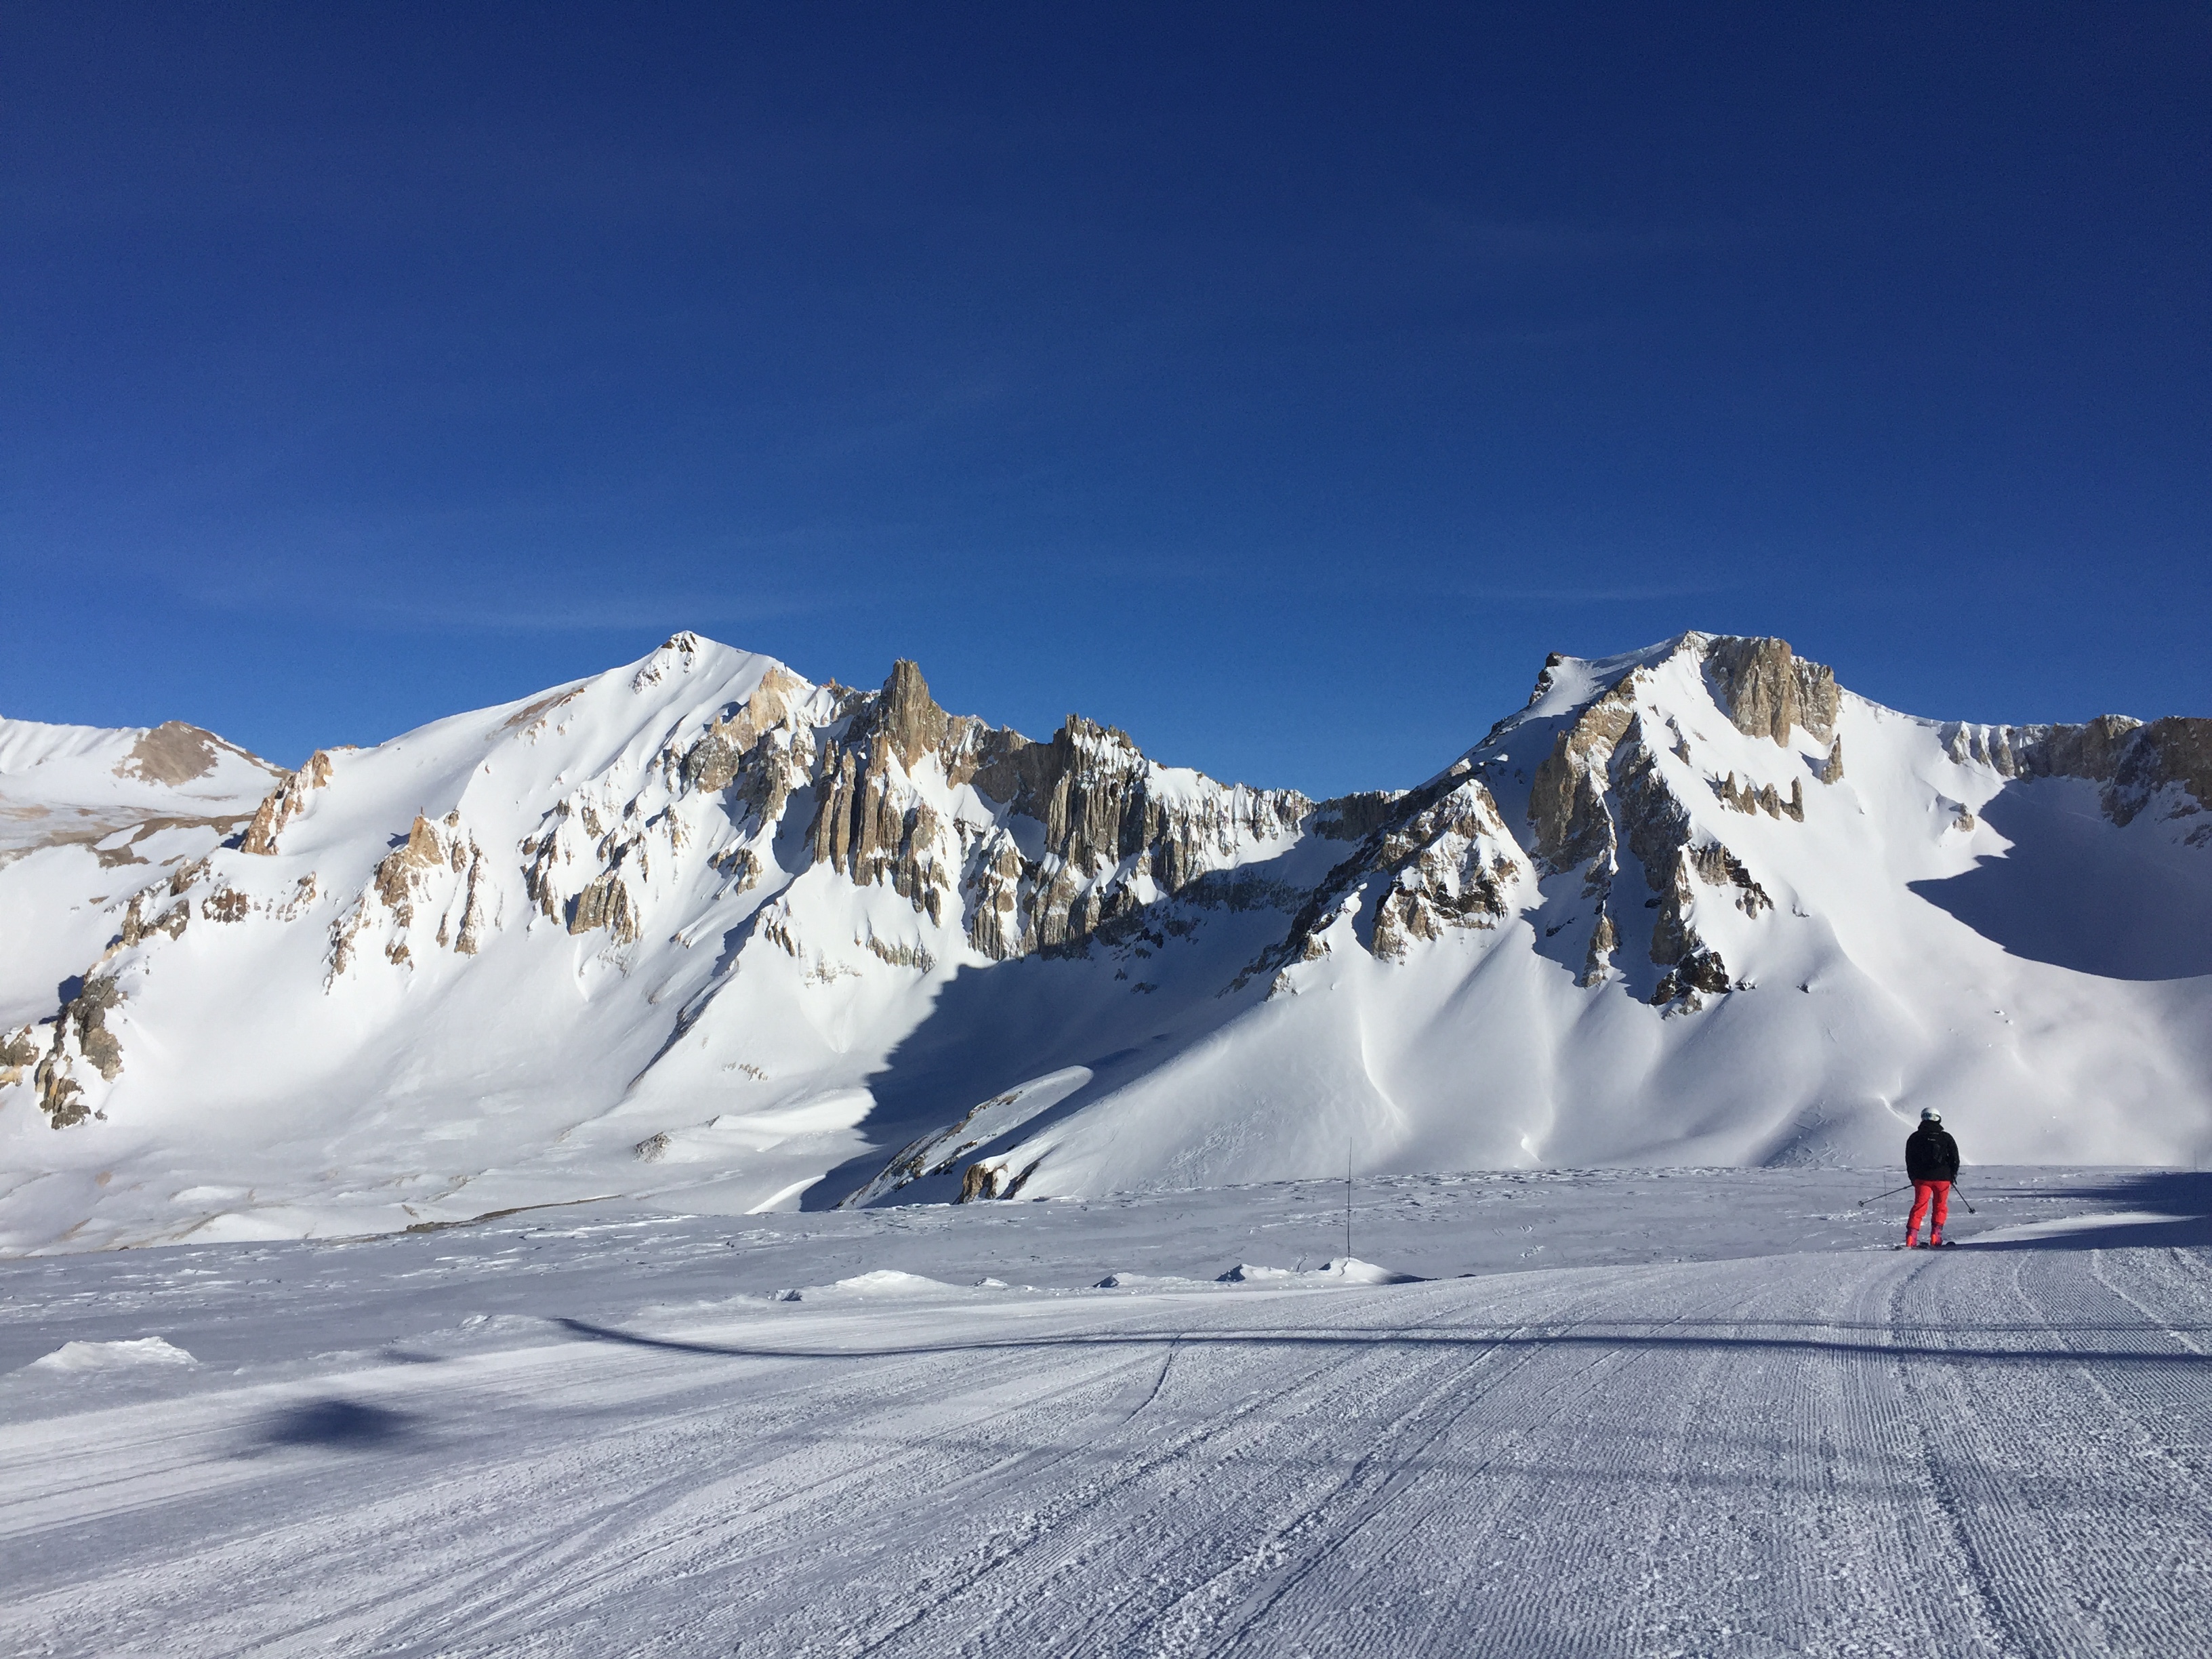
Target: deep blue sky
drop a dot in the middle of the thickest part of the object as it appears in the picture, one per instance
(1277, 383)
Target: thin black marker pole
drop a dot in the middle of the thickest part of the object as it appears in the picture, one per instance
(1347, 1198)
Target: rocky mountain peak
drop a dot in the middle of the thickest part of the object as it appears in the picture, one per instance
(678, 654)
(1766, 691)
(175, 753)
(909, 717)
(1622, 793)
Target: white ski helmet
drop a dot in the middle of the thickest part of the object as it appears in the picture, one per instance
(1930, 1115)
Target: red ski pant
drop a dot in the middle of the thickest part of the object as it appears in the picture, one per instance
(1923, 1192)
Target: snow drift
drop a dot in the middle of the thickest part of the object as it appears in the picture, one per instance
(702, 929)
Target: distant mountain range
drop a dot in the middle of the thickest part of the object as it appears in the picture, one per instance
(701, 929)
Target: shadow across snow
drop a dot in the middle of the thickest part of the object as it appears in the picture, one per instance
(995, 1030)
(2076, 890)
(2180, 1233)
(1135, 995)
(2182, 1198)
(340, 1424)
(991, 1030)
(1658, 1336)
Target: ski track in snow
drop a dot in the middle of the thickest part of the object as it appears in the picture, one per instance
(1845, 1451)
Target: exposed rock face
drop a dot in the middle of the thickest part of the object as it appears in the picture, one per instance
(2175, 751)
(1717, 866)
(1658, 833)
(152, 911)
(173, 753)
(593, 859)
(439, 873)
(1566, 801)
(2135, 763)
(1606, 789)
(869, 822)
(1604, 796)
(1355, 817)
(81, 1034)
(606, 903)
(1764, 798)
(286, 802)
(1767, 690)
(979, 1181)
(912, 724)
(1112, 832)
(1114, 839)
(1452, 865)
(2094, 750)
(395, 877)
(1605, 939)
(984, 1180)
(19, 1052)
(741, 867)
(1442, 859)
(1699, 970)
(994, 909)
(675, 656)
(1602, 788)
(711, 764)
(226, 904)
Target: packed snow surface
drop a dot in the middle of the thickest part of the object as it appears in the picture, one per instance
(1666, 1412)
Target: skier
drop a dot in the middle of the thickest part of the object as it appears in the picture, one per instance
(1931, 1160)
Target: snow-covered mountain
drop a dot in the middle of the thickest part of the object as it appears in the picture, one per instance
(702, 929)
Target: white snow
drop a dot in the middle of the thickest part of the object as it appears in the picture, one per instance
(108, 1356)
(890, 1281)
(1346, 1270)
(1712, 1413)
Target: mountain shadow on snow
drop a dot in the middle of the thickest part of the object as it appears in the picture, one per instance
(2078, 891)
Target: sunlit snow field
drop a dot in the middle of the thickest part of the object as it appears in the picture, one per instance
(1620, 1413)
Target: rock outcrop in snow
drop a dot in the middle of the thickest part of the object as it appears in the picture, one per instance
(2166, 763)
(803, 939)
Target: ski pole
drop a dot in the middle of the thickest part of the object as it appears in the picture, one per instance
(1892, 1193)
(1964, 1199)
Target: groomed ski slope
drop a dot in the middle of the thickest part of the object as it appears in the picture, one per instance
(1842, 1450)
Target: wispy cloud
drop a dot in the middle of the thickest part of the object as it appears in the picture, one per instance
(584, 614)
(1613, 593)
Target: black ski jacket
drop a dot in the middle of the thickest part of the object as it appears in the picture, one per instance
(1930, 1154)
